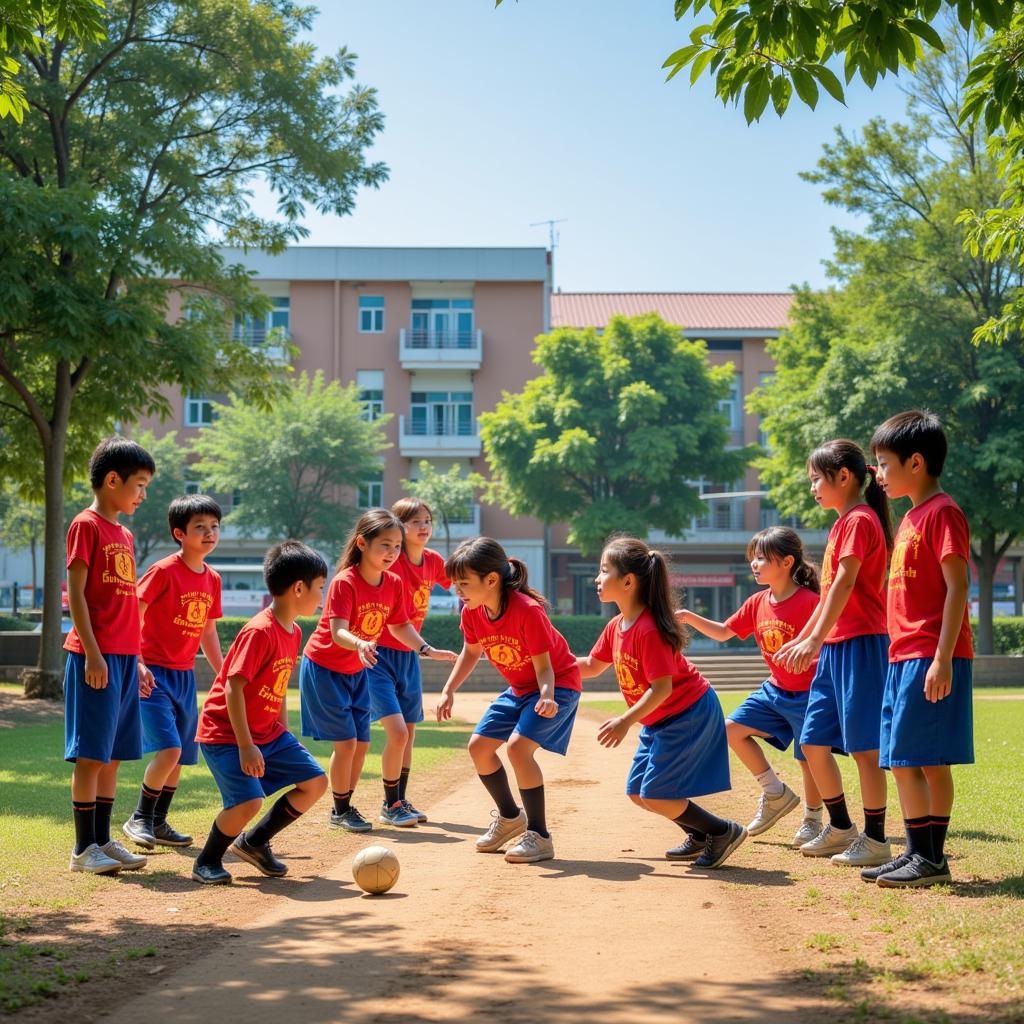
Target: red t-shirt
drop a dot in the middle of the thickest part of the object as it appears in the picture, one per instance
(179, 603)
(108, 549)
(512, 640)
(857, 533)
(639, 655)
(929, 534)
(263, 654)
(774, 625)
(418, 581)
(369, 611)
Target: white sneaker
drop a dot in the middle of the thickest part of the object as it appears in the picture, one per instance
(864, 852)
(830, 840)
(810, 828)
(770, 809)
(129, 861)
(500, 832)
(530, 849)
(94, 861)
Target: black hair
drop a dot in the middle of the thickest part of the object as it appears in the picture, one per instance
(181, 510)
(118, 455)
(778, 542)
(650, 567)
(368, 526)
(291, 562)
(833, 456)
(917, 431)
(482, 556)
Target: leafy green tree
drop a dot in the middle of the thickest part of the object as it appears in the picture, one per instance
(21, 529)
(449, 494)
(288, 464)
(149, 523)
(132, 165)
(610, 433)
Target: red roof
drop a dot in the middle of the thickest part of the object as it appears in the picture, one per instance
(694, 311)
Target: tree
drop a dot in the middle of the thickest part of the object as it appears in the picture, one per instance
(898, 334)
(610, 433)
(149, 523)
(21, 528)
(132, 165)
(449, 494)
(287, 465)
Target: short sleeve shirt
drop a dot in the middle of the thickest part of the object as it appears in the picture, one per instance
(418, 581)
(857, 533)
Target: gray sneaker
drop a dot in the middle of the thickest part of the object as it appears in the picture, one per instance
(351, 821)
(530, 849)
(397, 815)
(864, 852)
(420, 816)
(770, 809)
(501, 830)
(129, 861)
(810, 828)
(94, 861)
(830, 840)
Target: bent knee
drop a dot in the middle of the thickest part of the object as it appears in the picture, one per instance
(250, 808)
(637, 799)
(316, 785)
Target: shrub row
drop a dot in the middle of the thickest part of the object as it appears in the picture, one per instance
(15, 624)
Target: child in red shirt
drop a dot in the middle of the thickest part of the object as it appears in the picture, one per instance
(776, 711)
(682, 751)
(505, 617)
(179, 603)
(243, 728)
(102, 679)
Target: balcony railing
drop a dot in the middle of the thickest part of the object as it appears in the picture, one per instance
(420, 349)
(429, 438)
(273, 342)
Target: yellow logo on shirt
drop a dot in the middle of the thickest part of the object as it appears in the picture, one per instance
(124, 566)
(421, 598)
(372, 624)
(625, 665)
(908, 543)
(281, 682)
(502, 654)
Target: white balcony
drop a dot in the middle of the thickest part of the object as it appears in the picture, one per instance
(423, 442)
(460, 528)
(433, 350)
(272, 343)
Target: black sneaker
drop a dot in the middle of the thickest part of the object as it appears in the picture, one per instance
(260, 857)
(167, 836)
(140, 831)
(718, 848)
(210, 874)
(351, 821)
(871, 874)
(916, 873)
(690, 849)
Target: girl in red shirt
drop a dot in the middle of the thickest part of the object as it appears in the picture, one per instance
(505, 617)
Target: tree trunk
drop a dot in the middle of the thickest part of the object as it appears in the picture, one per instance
(987, 563)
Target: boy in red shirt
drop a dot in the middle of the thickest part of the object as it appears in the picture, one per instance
(927, 720)
(102, 680)
(243, 729)
(179, 604)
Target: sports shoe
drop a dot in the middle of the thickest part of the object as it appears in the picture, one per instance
(871, 874)
(770, 809)
(915, 874)
(397, 815)
(500, 831)
(210, 874)
(94, 861)
(140, 832)
(864, 852)
(830, 840)
(689, 849)
(531, 848)
(167, 836)
(719, 848)
(810, 828)
(420, 816)
(260, 857)
(351, 821)
(129, 861)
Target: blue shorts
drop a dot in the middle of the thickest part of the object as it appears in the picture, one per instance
(844, 707)
(509, 713)
(286, 762)
(777, 713)
(170, 715)
(685, 755)
(102, 725)
(396, 685)
(917, 733)
(335, 706)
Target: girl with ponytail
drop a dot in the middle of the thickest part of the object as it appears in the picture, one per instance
(682, 751)
(504, 617)
(847, 634)
(775, 712)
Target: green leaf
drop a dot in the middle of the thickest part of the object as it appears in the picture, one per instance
(924, 31)
(805, 87)
(682, 56)
(965, 14)
(782, 90)
(831, 84)
(697, 69)
(756, 97)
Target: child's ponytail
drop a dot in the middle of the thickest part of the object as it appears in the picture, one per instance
(779, 542)
(842, 454)
(482, 556)
(879, 501)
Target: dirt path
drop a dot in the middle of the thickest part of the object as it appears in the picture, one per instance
(609, 932)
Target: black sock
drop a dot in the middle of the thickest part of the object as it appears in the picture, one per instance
(147, 803)
(695, 834)
(342, 801)
(403, 783)
(940, 826)
(391, 792)
(212, 854)
(104, 806)
(919, 836)
(533, 804)
(699, 820)
(874, 823)
(497, 785)
(163, 805)
(84, 813)
(838, 815)
(280, 815)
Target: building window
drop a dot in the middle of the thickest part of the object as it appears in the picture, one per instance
(732, 409)
(724, 345)
(199, 410)
(258, 330)
(442, 323)
(720, 513)
(371, 314)
(442, 413)
(371, 393)
(371, 492)
(192, 484)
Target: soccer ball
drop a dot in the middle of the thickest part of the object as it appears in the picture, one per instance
(375, 869)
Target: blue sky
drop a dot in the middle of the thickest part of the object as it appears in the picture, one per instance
(559, 108)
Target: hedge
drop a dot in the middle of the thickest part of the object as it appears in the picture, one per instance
(1007, 634)
(15, 624)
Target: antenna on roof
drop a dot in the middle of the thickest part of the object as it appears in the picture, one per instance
(552, 239)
